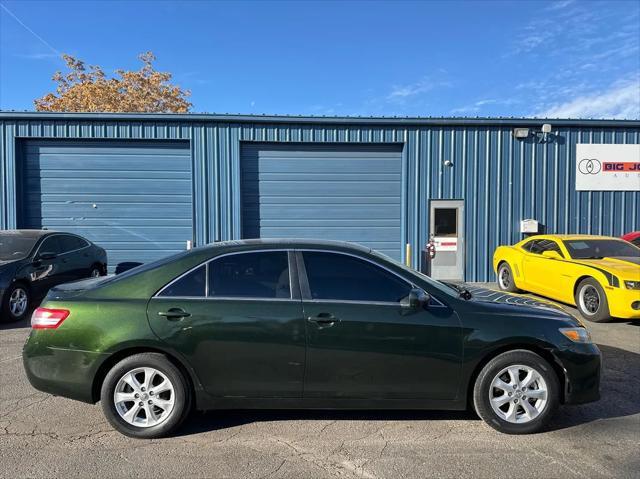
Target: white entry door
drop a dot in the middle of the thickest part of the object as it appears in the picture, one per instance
(447, 227)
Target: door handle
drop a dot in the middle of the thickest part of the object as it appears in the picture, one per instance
(324, 319)
(174, 314)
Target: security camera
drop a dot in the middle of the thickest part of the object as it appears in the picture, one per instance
(448, 163)
(544, 133)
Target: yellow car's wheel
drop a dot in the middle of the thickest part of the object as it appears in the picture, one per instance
(506, 282)
(591, 301)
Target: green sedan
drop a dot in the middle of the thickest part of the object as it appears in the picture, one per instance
(303, 324)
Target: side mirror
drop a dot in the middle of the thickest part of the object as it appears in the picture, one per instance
(551, 255)
(416, 299)
(46, 256)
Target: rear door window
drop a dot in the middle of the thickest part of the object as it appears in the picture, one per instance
(250, 275)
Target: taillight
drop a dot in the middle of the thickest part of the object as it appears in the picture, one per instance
(44, 318)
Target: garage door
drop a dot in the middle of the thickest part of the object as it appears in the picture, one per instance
(335, 191)
(132, 198)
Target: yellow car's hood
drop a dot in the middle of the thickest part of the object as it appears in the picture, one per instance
(627, 267)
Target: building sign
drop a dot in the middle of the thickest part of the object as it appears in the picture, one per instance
(446, 243)
(602, 167)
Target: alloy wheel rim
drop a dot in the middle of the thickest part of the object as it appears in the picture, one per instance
(95, 273)
(144, 397)
(589, 300)
(518, 394)
(18, 302)
(505, 278)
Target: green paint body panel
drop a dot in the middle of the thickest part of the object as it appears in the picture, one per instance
(264, 353)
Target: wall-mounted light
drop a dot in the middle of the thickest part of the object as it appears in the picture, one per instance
(448, 163)
(542, 135)
(520, 133)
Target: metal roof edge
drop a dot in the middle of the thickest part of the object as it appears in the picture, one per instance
(250, 118)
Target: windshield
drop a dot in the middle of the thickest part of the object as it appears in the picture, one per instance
(600, 248)
(14, 246)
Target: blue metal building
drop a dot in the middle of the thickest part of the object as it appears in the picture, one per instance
(142, 185)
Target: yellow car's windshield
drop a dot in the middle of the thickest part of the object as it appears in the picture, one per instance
(600, 248)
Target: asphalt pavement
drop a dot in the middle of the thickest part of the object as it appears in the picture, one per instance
(46, 436)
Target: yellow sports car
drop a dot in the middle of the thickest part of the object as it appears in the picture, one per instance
(597, 274)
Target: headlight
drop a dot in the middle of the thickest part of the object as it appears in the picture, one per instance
(632, 284)
(577, 335)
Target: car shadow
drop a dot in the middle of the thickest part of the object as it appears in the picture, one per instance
(219, 420)
(619, 391)
(620, 397)
(23, 323)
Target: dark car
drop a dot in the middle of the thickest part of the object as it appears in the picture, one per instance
(302, 324)
(33, 261)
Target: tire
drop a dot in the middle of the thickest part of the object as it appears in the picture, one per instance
(513, 419)
(588, 292)
(16, 303)
(506, 281)
(96, 271)
(148, 404)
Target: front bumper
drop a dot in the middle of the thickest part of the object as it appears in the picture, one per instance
(60, 371)
(581, 364)
(620, 302)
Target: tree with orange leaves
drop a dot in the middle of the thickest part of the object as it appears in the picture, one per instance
(87, 88)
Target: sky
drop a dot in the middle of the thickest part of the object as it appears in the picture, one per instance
(556, 59)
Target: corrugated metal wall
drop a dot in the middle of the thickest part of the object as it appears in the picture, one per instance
(502, 180)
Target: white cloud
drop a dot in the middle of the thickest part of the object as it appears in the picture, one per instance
(401, 92)
(559, 5)
(478, 105)
(620, 101)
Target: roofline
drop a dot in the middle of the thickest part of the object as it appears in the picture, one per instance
(369, 120)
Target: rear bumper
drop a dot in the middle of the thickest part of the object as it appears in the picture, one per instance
(582, 366)
(61, 372)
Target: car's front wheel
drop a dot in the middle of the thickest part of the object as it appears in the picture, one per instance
(16, 303)
(591, 301)
(517, 392)
(96, 271)
(145, 396)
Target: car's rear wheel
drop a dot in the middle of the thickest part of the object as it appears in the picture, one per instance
(506, 281)
(591, 301)
(517, 392)
(145, 396)
(16, 303)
